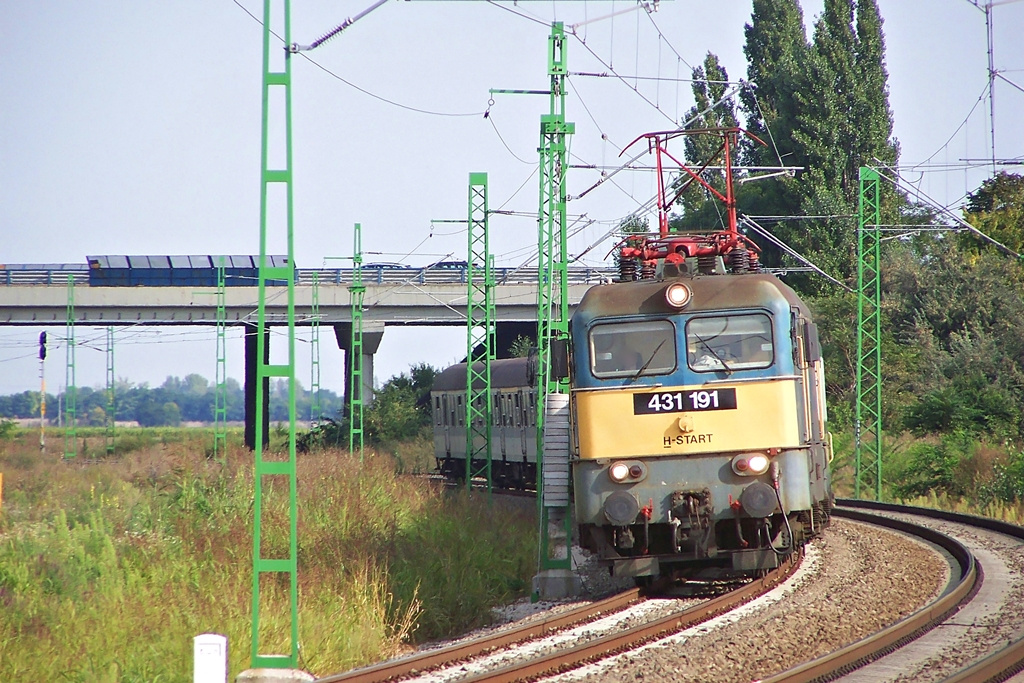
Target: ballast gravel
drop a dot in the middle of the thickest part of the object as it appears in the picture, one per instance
(855, 580)
(864, 579)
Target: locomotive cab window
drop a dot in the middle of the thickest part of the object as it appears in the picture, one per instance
(631, 349)
(730, 342)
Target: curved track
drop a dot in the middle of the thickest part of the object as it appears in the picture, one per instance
(567, 657)
(973, 632)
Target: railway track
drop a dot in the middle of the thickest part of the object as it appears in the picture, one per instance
(575, 655)
(978, 612)
(981, 638)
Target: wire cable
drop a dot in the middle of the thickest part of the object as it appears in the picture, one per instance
(518, 158)
(353, 85)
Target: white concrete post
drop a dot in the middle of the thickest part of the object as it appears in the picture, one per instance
(210, 652)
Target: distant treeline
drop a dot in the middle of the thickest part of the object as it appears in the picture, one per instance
(175, 401)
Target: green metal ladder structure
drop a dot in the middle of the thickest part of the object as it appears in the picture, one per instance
(357, 291)
(314, 352)
(220, 392)
(553, 287)
(110, 433)
(70, 391)
(276, 80)
(480, 331)
(868, 425)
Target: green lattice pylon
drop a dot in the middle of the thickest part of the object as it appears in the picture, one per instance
(70, 391)
(553, 287)
(314, 352)
(480, 336)
(868, 426)
(356, 290)
(110, 433)
(220, 391)
(277, 80)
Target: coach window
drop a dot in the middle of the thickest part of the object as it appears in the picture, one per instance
(438, 415)
(730, 342)
(630, 349)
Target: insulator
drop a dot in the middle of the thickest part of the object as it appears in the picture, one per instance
(755, 262)
(706, 265)
(739, 260)
(627, 269)
(648, 270)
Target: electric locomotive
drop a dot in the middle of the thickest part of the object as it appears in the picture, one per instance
(699, 421)
(697, 404)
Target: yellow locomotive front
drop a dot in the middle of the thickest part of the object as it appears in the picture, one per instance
(699, 424)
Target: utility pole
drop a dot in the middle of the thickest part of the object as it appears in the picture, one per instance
(220, 392)
(356, 290)
(555, 561)
(70, 392)
(110, 433)
(277, 79)
(480, 332)
(868, 426)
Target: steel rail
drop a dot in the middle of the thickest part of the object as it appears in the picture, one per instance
(470, 648)
(576, 656)
(909, 628)
(630, 638)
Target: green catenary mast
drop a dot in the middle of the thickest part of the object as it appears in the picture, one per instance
(70, 391)
(868, 454)
(276, 80)
(110, 434)
(480, 336)
(357, 291)
(553, 294)
(220, 392)
(314, 352)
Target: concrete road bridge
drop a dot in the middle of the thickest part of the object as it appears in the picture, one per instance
(37, 295)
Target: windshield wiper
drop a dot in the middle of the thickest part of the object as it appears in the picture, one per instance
(647, 363)
(725, 366)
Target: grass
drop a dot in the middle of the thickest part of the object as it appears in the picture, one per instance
(107, 570)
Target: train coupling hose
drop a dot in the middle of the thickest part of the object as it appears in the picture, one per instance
(785, 517)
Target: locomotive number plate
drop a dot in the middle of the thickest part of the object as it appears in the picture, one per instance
(684, 401)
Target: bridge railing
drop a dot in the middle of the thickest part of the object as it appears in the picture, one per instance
(57, 274)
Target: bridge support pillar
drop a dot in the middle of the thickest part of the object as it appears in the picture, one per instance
(251, 363)
(372, 334)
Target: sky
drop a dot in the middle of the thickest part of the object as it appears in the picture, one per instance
(134, 128)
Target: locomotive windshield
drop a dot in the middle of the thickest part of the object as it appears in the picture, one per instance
(632, 349)
(729, 342)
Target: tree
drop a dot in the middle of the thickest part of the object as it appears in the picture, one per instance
(712, 110)
(776, 48)
(997, 209)
(401, 408)
(842, 122)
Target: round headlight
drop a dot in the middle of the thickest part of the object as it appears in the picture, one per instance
(758, 463)
(677, 295)
(618, 472)
(751, 464)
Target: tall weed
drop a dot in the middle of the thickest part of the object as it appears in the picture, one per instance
(108, 569)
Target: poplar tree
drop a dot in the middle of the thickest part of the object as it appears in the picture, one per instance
(775, 47)
(843, 122)
(712, 110)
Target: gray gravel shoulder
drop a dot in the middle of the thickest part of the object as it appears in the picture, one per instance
(866, 578)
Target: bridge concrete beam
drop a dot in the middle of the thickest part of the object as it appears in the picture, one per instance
(391, 304)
